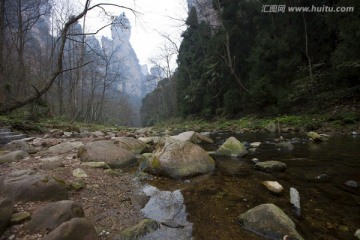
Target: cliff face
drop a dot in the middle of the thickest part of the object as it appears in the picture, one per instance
(123, 57)
(124, 64)
(205, 11)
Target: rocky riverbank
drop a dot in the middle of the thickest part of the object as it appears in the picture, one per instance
(54, 184)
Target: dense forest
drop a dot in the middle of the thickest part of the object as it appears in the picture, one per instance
(51, 65)
(250, 61)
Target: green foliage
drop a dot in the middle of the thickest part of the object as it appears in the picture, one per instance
(232, 102)
(270, 55)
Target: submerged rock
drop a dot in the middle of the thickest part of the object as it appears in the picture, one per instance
(271, 166)
(352, 184)
(232, 148)
(285, 145)
(317, 137)
(295, 200)
(168, 209)
(269, 220)
(178, 159)
(141, 229)
(273, 186)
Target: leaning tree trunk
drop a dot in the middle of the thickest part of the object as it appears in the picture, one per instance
(37, 93)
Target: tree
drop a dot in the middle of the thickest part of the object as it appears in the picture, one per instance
(38, 91)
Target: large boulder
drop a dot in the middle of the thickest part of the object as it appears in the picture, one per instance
(13, 156)
(271, 166)
(6, 209)
(64, 147)
(232, 148)
(52, 215)
(131, 144)
(177, 159)
(26, 186)
(269, 220)
(193, 137)
(74, 229)
(108, 152)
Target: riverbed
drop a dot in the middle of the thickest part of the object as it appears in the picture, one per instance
(329, 208)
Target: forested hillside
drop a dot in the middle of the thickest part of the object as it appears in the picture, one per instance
(262, 62)
(51, 64)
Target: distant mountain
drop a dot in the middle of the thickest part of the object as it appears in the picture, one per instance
(124, 64)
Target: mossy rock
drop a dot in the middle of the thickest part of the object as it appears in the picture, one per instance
(232, 148)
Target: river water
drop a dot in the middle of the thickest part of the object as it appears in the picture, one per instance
(329, 208)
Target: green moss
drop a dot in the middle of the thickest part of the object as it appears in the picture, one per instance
(155, 163)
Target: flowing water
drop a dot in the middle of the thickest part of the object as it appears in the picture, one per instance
(329, 208)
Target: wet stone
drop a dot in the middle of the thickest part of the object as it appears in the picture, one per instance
(357, 234)
(352, 184)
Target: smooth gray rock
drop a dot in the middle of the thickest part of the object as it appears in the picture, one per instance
(295, 200)
(53, 214)
(131, 144)
(271, 166)
(269, 220)
(352, 184)
(13, 156)
(108, 152)
(6, 209)
(193, 137)
(74, 229)
(273, 186)
(167, 208)
(357, 234)
(19, 145)
(26, 186)
(52, 165)
(285, 145)
(64, 147)
(177, 159)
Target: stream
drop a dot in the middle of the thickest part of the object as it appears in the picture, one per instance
(329, 208)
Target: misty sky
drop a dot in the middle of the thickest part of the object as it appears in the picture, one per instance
(155, 16)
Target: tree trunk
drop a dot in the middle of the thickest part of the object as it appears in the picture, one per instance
(58, 70)
(2, 66)
(307, 55)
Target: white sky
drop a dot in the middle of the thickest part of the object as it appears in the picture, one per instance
(155, 16)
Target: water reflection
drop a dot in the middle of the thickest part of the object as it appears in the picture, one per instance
(169, 210)
(330, 209)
